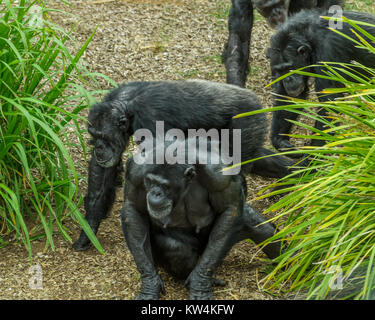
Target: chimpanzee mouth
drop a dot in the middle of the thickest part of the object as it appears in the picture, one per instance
(160, 213)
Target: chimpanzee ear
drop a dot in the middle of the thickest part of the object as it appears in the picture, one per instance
(123, 123)
(190, 173)
(304, 50)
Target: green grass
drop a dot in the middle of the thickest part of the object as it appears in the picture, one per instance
(42, 91)
(360, 5)
(214, 58)
(327, 220)
(187, 74)
(221, 11)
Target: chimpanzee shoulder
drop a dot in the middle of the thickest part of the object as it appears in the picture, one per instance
(134, 174)
(127, 90)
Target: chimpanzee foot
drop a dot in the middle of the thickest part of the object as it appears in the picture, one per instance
(151, 288)
(82, 244)
(218, 282)
(80, 247)
(284, 145)
(200, 295)
(200, 287)
(147, 296)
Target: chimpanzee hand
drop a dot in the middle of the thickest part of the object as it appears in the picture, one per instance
(82, 244)
(200, 286)
(151, 288)
(283, 144)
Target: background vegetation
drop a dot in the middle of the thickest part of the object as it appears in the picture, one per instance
(41, 95)
(327, 221)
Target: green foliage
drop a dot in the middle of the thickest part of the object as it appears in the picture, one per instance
(41, 95)
(327, 220)
(329, 214)
(360, 5)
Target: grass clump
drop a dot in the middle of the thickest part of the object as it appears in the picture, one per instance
(327, 220)
(41, 95)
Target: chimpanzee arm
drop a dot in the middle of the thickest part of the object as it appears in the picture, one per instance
(99, 199)
(280, 125)
(271, 167)
(236, 52)
(200, 279)
(228, 204)
(255, 227)
(136, 230)
(211, 177)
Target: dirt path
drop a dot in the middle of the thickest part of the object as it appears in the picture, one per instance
(143, 40)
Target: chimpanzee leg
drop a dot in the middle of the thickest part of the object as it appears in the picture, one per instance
(200, 280)
(320, 126)
(252, 226)
(270, 167)
(236, 52)
(280, 124)
(280, 127)
(136, 229)
(99, 199)
(319, 86)
(178, 257)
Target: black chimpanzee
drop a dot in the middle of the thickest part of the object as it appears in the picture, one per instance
(240, 24)
(277, 11)
(186, 217)
(186, 105)
(302, 41)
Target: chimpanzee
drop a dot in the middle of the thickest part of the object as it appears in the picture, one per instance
(302, 41)
(186, 217)
(240, 24)
(186, 105)
(277, 11)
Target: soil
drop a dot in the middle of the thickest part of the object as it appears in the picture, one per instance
(143, 40)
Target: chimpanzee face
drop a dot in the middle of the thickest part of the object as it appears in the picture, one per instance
(165, 186)
(287, 57)
(109, 131)
(275, 11)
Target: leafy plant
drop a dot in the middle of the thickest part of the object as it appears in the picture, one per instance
(41, 94)
(327, 220)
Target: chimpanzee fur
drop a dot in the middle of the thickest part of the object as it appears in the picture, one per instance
(191, 104)
(186, 218)
(302, 41)
(240, 24)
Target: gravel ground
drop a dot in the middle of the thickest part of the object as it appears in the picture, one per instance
(143, 40)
